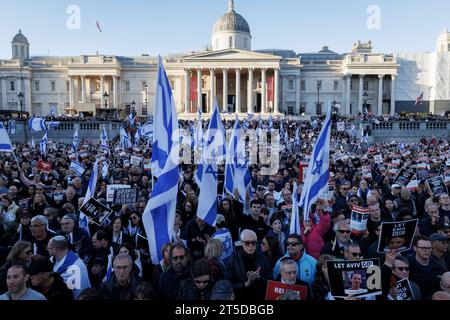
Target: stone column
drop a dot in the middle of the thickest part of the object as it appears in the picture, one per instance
(250, 91)
(393, 77)
(4, 94)
(212, 74)
(277, 91)
(186, 91)
(102, 91)
(347, 94)
(297, 94)
(380, 94)
(225, 89)
(83, 89)
(238, 90)
(360, 92)
(116, 93)
(199, 89)
(264, 90)
(71, 93)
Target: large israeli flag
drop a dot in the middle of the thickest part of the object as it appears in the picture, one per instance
(5, 142)
(212, 154)
(43, 144)
(36, 124)
(159, 214)
(295, 218)
(75, 140)
(125, 140)
(165, 123)
(11, 127)
(318, 171)
(104, 139)
(147, 129)
(84, 222)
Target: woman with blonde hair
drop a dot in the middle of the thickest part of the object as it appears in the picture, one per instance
(20, 254)
(213, 252)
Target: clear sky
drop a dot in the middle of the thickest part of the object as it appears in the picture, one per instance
(134, 27)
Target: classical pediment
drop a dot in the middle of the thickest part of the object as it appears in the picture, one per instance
(230, 55)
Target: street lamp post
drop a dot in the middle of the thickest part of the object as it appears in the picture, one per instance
(106, 95)
(21, 97)
(319, 87)
(133, 108)
(146, 100)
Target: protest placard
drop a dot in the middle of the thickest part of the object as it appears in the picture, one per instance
(111, 188)
(135, 161)
(125, 196)
(378, 158)
(357, 278)
(396, 235)
(422, 174)
(367, 172)
(404, 291)
(446, 175)
(276, 289)
(44, 166)
(77, 168)
(96, 210)
(437, 185)
(358, 220)
(404, 176)
(147, 165)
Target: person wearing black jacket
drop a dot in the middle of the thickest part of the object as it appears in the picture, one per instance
(123, 282)
(254, 221)
(198, 234)
(47, 282)
(179, 271)
(429, 224)
(249, 270)
(199, 285)
(77, 237)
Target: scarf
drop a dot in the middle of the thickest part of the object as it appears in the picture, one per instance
(69, 260)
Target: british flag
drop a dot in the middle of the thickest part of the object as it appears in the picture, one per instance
(419, 99)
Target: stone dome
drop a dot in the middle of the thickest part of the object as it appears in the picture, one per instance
(20, 38)
(231, 22)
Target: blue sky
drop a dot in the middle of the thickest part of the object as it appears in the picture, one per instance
(134, 27)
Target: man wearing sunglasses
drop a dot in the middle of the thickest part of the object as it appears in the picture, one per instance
(337, 246)
(353, 252)
(306, 263)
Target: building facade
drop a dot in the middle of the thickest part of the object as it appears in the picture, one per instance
(242, 80)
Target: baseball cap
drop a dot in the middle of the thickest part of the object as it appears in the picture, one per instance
(443, 225)
(39, 266)
(396, 185)
(220, 219)
(222, 290)
(351, 194)
(437, 237)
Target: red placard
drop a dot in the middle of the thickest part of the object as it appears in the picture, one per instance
(44, 166)
(302, 169)
(276, 289)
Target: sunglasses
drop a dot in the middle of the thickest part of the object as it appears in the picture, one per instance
(292, 244)
(344, 231)
(355, 254)
(249, 243)
(403, 268)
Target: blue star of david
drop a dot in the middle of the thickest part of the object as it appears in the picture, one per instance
(210, 170)
(318, 167)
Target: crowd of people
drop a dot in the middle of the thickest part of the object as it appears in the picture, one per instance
(45, 253)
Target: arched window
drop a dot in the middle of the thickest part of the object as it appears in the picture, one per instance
(230, 42)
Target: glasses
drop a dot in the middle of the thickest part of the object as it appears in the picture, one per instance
(178, 258)
(424, 248)
(402, 269)
(292, 244)
(345, 231)
(249, 243)
(355, 254)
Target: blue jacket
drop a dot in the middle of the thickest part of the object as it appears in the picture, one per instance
(306, 268)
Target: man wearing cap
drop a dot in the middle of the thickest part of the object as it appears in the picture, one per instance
(439, 253)
(71, 268)
(296, 251)
(77, 237)
(224, 235)
(47, 282)
(223, 290)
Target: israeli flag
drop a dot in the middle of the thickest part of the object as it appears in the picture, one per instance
(138, 135)
(33, 144)
(5, 142)
(36, 124)
(402, 146)
(53, 124)
(165, 123)
(147, 130)
(295, 218)
(53, 111)
(109, 270)
(132, 119)
(125, 140)
(297, 137)
(211, 156)
(105, 169)
(104, 140)
(43, 144)
(84, 220)
(159, 214)
(270, 123)
(318, 171)
(79, 170)
(11, 127)
(198, 137)
(75, 140)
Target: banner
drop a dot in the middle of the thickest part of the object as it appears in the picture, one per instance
(44, 166)
(404, 176)
(404, 291)
(111, 188)
(437, 185)
(357, 278)
(276, 289)
(97, 211)
(125, 196)
(358, 220)
(396, 235)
